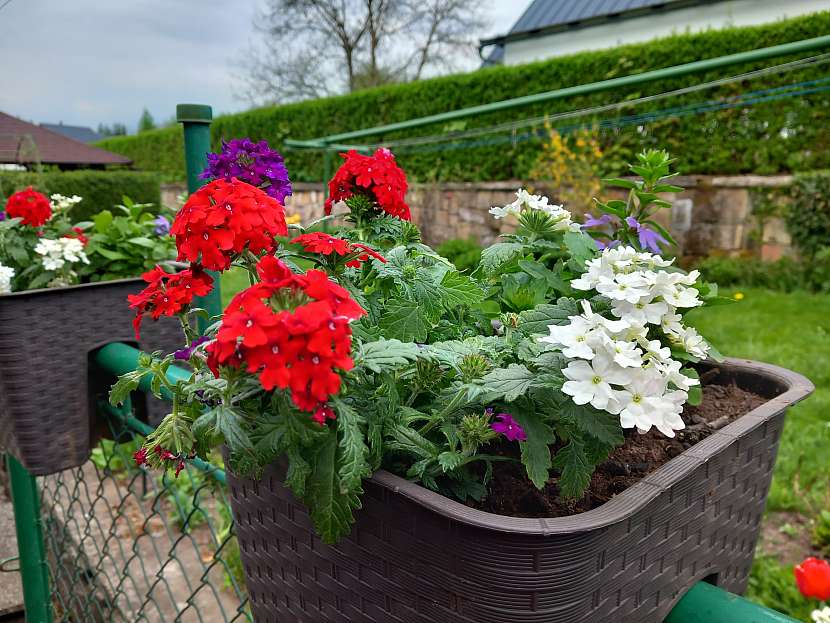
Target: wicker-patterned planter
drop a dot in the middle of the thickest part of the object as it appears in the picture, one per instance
(417, 557)
(46, 389)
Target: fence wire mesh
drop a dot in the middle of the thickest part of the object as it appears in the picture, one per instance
(124, 544)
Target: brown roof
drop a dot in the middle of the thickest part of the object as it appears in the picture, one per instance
(22, 142)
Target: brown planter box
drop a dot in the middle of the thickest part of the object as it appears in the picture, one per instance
(47, 394)
(415, 556)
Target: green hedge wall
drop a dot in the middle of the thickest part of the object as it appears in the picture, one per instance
(100, 189)
(775, 136)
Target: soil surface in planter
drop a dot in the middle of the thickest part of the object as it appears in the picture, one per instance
(512, 494)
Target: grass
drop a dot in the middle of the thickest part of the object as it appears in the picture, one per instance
(791, 330)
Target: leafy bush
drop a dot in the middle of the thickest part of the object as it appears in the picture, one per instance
(784, 275)
(129, 242)
(465, 254)
(100, 189)
(809, 215)
(726, 141)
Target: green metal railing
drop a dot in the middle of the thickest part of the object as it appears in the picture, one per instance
(109, 541)
(345, 140)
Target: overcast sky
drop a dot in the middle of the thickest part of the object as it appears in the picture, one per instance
(83, 62)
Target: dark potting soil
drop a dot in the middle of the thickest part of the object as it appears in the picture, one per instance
(512, 494)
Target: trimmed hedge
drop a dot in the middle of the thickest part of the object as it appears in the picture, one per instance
(774, 136)
(100, 189)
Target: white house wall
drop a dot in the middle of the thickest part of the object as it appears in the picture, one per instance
(636, 30)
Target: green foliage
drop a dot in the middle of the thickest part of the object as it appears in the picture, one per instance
(773, 585)
(101, 190)
(785, 275)
(809, 216)
(146, 122)
(464, 254)
(123, 242)
(720, 142)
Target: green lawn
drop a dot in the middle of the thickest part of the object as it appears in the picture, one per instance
(793, 331)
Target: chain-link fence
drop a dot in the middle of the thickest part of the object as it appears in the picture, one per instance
(125, 544)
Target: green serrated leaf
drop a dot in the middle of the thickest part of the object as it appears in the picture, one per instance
(450, 460)
(330, 509)
(598, 424)
(575, 469)
(458, 290)
(506, 383)
(536, 450)
(537, 320)
(495, 255)
(405, 321)
(353, 453)
(384, 355)
(126, 383)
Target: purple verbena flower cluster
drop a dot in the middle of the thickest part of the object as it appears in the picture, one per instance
(254, 163)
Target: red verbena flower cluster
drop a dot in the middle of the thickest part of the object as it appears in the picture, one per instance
(78, 233)
(328, 245)
(292, 331)
(167, 294)
(377, 176)
(31, 206)
(222, 219)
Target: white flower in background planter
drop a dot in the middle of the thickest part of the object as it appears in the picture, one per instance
(61, 202)
(57, 253)
(6, 276)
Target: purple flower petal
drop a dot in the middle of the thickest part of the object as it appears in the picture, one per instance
(648, 238)
(254, 163)
(593, 221)
(509, 427)
(186, 353)
(162, 226)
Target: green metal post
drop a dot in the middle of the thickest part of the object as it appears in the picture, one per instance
(37, 599)
(195, 119)
(326, 168)
(705, 603)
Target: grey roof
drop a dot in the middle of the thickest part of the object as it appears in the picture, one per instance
(75, 132)
(552, 15)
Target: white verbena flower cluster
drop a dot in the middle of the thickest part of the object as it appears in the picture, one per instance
(61, 202)
(526, 201)
(821, 616)
(57, 253)
(619, 366)
(6, 276)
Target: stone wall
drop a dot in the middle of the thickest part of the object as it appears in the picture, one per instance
(713, 214)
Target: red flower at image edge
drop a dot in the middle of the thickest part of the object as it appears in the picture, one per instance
(328, 245)
(301, 348)
(378, 175)
(813, 579)
(31, 206)
(168, 294)
(223, 219)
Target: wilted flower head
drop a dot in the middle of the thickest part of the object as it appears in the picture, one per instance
(254, 163)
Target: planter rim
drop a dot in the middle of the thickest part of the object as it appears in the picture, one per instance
(92, 284)
(627, 503)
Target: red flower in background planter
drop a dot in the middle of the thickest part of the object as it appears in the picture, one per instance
(78, 233)
(378, 177)
(223, 219)
(167, 294)
(813, 578)
(33, 207)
